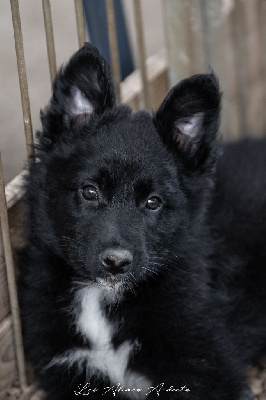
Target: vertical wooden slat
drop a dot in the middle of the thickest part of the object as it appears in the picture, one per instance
(198, 63)
(184, 28)
(10, 269)
(22, 79)
(8, 365)
(80, 22)
(231, 126)
(200, 35)
(249, 66)
(177, 28)
(114, 54)
(48, 23)
(221, 57)
(253, 55)
(142, 52)
(206, 31)
(263, 33)
(239, 40)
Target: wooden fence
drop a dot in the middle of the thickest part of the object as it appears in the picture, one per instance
(230, 37)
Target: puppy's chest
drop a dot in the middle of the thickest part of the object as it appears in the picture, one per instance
(92, 321)
(103, 357)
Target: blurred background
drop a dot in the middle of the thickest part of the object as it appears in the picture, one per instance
(228, 35)
(12, 142)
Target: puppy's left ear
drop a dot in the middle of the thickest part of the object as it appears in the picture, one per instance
(81, 87)
(188, 120)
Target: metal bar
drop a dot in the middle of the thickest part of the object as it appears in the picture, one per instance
(80, 22)
(48, 23)
(113, 47)
(142, 52)
(12, 289)
(22, 79)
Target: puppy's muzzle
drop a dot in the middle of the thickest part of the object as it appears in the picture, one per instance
(116, 261)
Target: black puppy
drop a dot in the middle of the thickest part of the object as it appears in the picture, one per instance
(145, 269)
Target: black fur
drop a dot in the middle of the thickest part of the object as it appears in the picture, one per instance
(198, 311)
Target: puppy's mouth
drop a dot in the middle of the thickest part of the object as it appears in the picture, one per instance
(114, 283)
(110, 283)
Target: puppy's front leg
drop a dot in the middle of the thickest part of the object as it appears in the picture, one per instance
(190, 378)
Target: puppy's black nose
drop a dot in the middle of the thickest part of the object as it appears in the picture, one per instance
(116, 261)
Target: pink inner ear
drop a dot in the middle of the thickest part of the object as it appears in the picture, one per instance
(187, 129)
(182, 140)
(80, 104)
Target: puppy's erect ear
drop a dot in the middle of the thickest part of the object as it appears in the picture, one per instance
(82, 87)
(188, 119)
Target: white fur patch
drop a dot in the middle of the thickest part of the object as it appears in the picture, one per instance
(81, 104)
(191, 125)
(91, 321)
(102, 358)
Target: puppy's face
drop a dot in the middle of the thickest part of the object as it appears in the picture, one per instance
(114, 198)
(121, 191)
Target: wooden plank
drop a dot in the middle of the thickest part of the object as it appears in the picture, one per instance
(228, 36)
(262, 13)
(196, 51)
(249, 27)
(12, 284)
(253, 45)
(131, 87)
(177, 28)
(184, 39)
(29, 393)
(4, 299)
(199, 36)
(15, 189)
(38, 395)
(15, 214)
(8, 369)
(239, 32)
(158, 80)
(231, 113)
(221, 55)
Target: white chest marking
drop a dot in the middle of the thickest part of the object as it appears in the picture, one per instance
(91, 322)
(102, 358)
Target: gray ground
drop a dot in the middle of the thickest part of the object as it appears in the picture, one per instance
(12, 143)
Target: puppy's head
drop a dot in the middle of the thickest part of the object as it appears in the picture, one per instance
(118, 195)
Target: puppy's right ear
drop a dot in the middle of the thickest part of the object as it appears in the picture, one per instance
(188, 121)
(81, 87)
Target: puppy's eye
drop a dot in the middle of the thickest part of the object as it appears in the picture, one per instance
(154, 203)
(90, 193)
